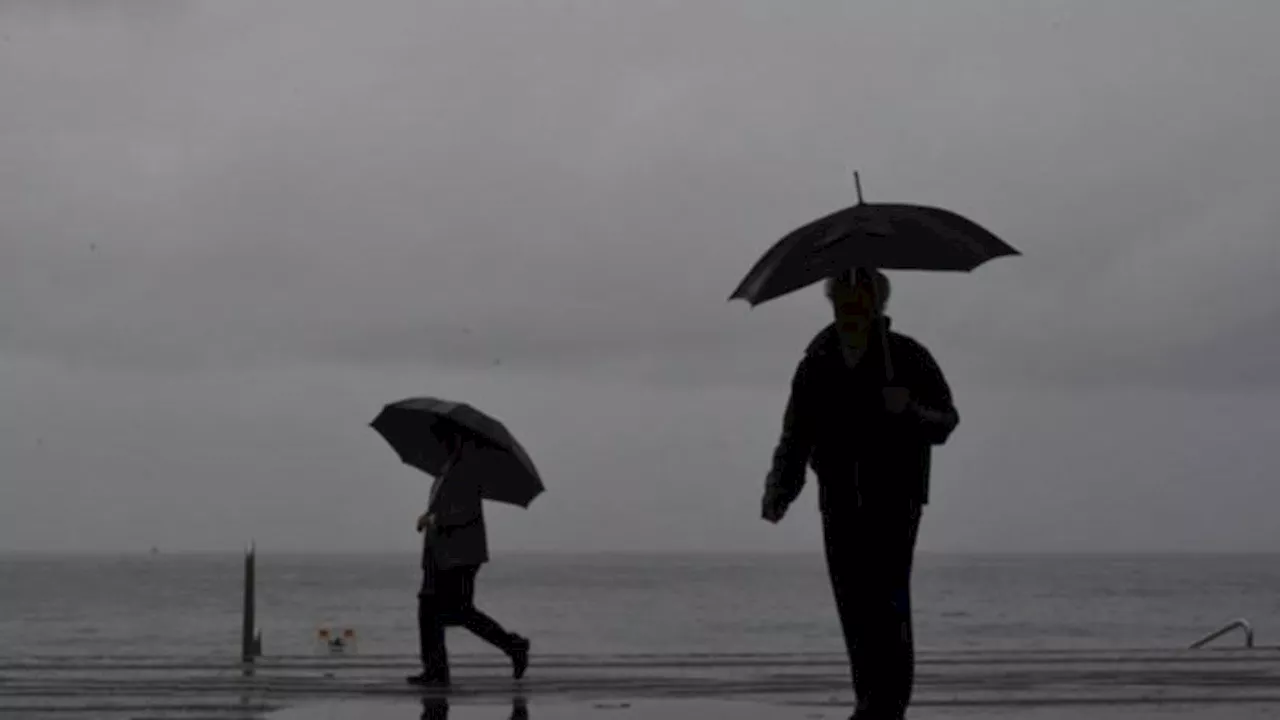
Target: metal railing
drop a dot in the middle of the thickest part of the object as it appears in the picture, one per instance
(1238, 624)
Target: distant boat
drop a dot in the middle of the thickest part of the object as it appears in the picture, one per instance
(155, 550)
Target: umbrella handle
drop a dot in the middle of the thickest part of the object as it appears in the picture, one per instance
(884, 331)
(888, 361)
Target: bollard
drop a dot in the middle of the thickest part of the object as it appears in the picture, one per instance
(250, 641)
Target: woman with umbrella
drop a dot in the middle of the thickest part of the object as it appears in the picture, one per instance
(472, 458)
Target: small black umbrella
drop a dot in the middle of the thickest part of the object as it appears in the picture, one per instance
(421, 430)
(870, 235)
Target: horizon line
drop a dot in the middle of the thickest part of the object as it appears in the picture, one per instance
(1120, 552)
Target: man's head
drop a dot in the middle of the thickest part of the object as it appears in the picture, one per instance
(857, 298)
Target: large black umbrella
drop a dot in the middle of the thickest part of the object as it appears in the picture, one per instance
(884, 236)
(421, 430)
(870, 235)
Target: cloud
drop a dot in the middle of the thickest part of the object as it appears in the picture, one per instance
(197, 198)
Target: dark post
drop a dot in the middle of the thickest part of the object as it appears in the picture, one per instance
(248, 649)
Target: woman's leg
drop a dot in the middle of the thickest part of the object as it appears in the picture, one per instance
(485, 627)
(431, 648)
(435, 656)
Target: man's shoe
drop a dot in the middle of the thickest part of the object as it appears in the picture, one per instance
(520, 657)
(862, 714)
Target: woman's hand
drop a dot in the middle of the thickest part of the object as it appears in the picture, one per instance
(425, 521)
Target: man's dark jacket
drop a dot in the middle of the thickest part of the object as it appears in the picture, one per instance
(837, 423)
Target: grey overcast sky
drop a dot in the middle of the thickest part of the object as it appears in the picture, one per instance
(231, 231)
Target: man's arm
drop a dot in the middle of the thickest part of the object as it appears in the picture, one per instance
(795, 445)
(931, 411)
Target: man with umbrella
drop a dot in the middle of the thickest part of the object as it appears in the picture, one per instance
(869, 445)
(866, 407)
(472, 458)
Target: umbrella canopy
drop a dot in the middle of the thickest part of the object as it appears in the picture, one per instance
(870, 235)
(421, 431)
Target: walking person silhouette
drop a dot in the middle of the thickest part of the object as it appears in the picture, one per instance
(868, 440)
(455, 545)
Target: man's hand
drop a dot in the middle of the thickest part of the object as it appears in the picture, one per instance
(770, 507)
(896, 399)
(772, 511)
(425, 521)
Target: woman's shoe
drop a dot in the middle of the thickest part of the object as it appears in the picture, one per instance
(520, 657)
(426, 680)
